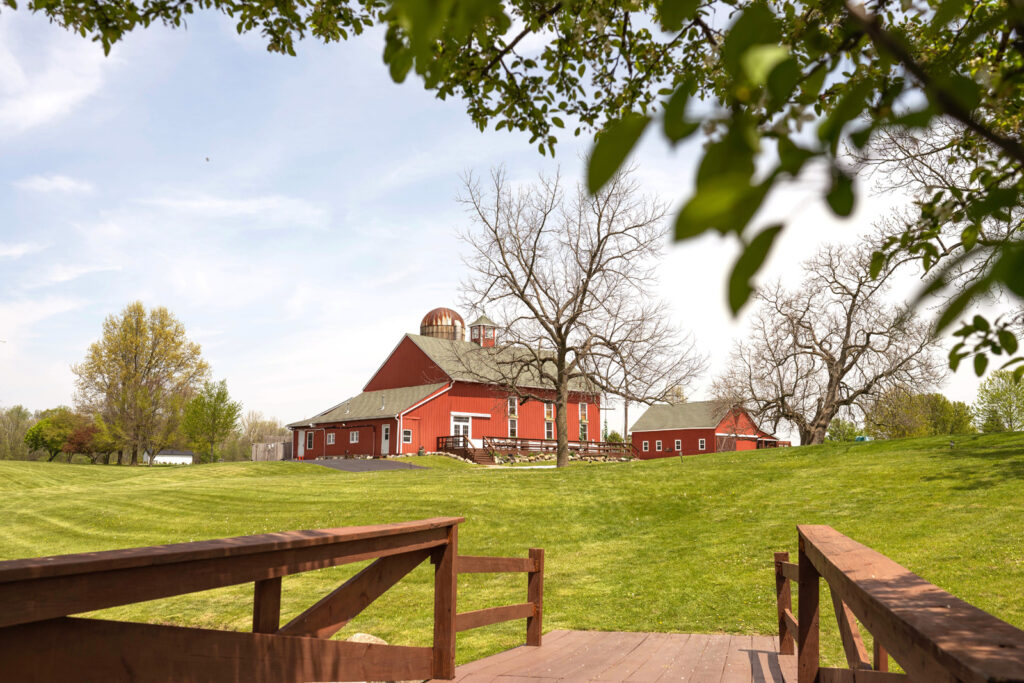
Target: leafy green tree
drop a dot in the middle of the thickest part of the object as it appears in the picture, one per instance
(897, 414)
(945, 416)
(51, 433)
(14, 422)
(841, 431)
(613, 437)
(851, 69)
(139, 375)
(1000, 403)
(210, 418)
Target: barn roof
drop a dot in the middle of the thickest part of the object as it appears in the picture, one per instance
(373, 405)
(483, 320)
(468, 362)
(692, 415)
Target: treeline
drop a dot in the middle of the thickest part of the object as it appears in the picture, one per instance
(142, 388)
(899, 413)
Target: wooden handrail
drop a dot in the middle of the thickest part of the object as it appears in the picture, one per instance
(507, 445)
(932, 634)
(40, 640)
(532, 610)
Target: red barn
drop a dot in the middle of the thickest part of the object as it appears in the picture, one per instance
(698, 427)
(435, 385)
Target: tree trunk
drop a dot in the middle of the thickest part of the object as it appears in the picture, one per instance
(562, 425)
(625, 421)
(135, 456)
(53, 456)
(106, 458)
(120, 456)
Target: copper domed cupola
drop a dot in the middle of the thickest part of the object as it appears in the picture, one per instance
(443, 323)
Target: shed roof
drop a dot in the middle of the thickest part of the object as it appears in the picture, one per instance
(468, 362)
(373, 405)
(483, 320)
(692, 415)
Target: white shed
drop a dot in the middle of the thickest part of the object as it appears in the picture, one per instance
(170, 456)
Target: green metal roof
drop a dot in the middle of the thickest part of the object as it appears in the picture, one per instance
(373, 405)
(468, 362)
(483, 320)
(694, 415)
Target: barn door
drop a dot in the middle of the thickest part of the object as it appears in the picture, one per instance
(385, 440)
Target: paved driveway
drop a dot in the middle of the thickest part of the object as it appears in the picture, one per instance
(363, 465)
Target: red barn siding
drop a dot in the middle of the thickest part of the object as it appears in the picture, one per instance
(407, 366)
(689, 442)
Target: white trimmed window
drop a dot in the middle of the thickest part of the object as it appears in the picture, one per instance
(583, 412)
(353, 436)
(700, 444)
(330, 438)
(647, 446)
(583, 431)
(309, 441)
(513, 406)
(549, 411)
(513, 428)
(657, 446)
(549, 430)
(679, 444)
(406, 436)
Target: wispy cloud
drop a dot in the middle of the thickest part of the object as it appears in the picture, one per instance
(13, 250)
(49, 85)
(61, 273)
(268, 211)
(18, 317)
(54, 183)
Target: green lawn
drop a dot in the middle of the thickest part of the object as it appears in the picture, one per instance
(667, 545)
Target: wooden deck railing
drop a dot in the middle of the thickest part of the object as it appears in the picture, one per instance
(510, 445)
(933, 635)
(39, 641)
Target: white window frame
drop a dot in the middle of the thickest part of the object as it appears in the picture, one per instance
(309, 440)
(513, 406)
(679, 444)
(353, 436)
(701, 444)
(513, 428)
(549, 429)
(584, 432)
(406, 436)
(583, 412)
(657, 446)
(549, 410)
(646, 446)
(330, 438)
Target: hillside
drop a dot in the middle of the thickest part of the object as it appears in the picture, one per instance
(666, 545)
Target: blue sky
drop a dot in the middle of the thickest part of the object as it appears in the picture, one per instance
(297, 214)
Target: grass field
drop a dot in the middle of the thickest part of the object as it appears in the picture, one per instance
(669, 545)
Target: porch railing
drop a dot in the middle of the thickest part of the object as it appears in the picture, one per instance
(517, 446)
(39, 641)
(933, 635)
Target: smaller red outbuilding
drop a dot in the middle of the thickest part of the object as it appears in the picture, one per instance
(697, 427)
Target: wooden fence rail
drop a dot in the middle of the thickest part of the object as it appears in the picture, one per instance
(933, 635)
(40, 641)
(512, 445)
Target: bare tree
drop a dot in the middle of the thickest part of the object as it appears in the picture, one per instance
(568, 277)
(832, 345)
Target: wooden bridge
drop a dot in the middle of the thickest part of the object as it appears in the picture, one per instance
(931, 634)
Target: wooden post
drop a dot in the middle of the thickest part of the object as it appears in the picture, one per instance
(783, 602)
(881, 657)
(445, 589)
(535, 594)
(807, 620)
(266, 606)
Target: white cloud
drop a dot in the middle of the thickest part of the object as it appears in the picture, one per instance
(13, 250)
(45, 82)
(265, 211)
(19, 317)
(54, 183)
(61, 273)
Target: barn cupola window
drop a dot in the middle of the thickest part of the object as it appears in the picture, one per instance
(482, 331)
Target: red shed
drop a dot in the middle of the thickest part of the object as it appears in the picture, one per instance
(697, 427)
(436, 384)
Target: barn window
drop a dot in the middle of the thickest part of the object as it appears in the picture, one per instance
(583, 431)
(330, 438)
(513, 406)
(309, 441)
(679, 444)
(647, 446)
(549, 411)
(700, 444)
(353, 436)
(406, 436)
(657, 446)
(513, 428)
(583, 412)
(549, 430)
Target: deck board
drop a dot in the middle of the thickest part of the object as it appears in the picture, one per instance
(617, 657)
